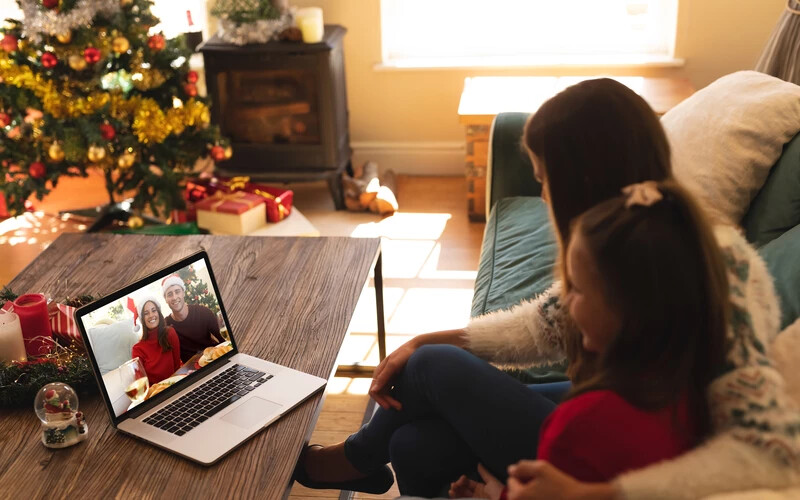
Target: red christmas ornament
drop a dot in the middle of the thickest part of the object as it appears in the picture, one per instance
(190, 89)
(9, 43)
(5, 120)
(218, 153)
(37, 170)
(49, 60)
(91, 55)
(50, 4)
(107, 131)
(156, 42)
(191, 77)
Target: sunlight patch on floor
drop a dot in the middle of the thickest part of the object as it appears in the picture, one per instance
(405, 226)
(345, 385)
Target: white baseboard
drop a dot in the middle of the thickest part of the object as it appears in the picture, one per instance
(412, 158)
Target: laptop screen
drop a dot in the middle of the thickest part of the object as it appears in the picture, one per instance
(151, 336)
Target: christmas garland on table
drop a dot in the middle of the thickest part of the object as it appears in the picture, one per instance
(21, 380)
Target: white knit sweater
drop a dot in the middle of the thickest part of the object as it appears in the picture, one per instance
(757, 428)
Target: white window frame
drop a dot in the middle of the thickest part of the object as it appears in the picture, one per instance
(400, 53)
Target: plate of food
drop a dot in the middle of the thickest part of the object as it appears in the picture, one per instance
(212, 353)
(160, 386)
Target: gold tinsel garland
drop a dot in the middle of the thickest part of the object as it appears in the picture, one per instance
(150, 123)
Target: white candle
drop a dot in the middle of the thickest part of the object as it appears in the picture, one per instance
(309, 20)
(12, 347)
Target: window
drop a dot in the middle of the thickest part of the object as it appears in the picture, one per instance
(176, 16)
(420, 33)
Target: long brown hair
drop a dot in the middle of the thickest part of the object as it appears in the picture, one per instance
(161, 328)
(593, 138)
(664, 275)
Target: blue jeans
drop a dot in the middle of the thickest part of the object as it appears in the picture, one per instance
(458, 411)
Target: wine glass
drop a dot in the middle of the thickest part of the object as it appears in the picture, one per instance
(134, 380)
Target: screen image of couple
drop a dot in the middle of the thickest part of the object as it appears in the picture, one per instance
(158, 334)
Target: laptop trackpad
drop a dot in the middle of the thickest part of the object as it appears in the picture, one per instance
(253, 411)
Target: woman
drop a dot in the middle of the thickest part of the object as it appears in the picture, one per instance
(159, 350)
(586, 144)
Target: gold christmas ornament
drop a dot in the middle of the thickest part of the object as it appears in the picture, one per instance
(96, 153)
(135, 222)
(77, 62)
(125, 161)
(228, 153)
(65, 37)
(55, 152)
(120, 45)
(125, 3)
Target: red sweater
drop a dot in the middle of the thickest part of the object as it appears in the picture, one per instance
(598, 435)
(158, 364)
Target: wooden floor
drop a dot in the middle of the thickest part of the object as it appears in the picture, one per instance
(430, 258)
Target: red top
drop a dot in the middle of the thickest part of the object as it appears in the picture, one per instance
(598, 435)
(158, 364)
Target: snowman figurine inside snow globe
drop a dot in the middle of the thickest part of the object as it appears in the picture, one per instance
(63, 425)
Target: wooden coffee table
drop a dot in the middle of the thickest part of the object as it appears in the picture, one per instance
(289, 300)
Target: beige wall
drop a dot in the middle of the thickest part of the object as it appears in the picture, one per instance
(715, 37)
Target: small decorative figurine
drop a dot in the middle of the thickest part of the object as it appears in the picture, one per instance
(63, 425)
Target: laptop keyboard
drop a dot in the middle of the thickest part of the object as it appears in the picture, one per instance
(207, 399)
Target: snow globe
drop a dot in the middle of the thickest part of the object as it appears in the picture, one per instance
(56, 405)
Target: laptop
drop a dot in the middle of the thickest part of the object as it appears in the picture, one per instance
(183, 385)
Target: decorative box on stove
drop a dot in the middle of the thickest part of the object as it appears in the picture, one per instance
(232, 213)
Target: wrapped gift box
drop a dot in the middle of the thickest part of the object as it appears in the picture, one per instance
(231, 213)
(278, 200)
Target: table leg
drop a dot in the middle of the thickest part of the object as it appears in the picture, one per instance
(379, 307)
(357, 370)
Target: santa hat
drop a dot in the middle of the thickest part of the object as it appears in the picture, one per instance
(144, 300)
(171, 280)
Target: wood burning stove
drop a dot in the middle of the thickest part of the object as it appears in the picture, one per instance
(284, 107)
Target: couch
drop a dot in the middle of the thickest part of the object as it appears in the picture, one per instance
(519, 250)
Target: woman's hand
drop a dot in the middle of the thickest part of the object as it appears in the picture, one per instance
(537, 479)
(386, 371)
(394, 363)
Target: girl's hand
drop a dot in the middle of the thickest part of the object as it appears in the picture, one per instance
(492, 487)
(465, 487)
(537, 479)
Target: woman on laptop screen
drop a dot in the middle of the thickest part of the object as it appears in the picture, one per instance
(159, 348)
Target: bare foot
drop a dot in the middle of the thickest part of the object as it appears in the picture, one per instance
(328, 464)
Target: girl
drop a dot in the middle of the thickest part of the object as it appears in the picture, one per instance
(159, 348)
(586, 143)
(646, 287)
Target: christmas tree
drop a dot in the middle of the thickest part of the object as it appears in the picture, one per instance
(84, 83)
(197, 291)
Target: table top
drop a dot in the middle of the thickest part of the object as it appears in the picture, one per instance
(289, 300)
(485, 96)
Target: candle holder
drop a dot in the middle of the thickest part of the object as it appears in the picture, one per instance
(56, 405)
(35, 321)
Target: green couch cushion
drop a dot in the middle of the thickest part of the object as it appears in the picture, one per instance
(776, 208)
(517, 263)
(782, 256)
(512, 171)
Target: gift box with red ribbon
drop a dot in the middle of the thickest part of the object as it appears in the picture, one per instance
(278, 201)
(238, 212)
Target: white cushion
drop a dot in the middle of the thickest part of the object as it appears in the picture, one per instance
(727, 136)
(112, 343)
